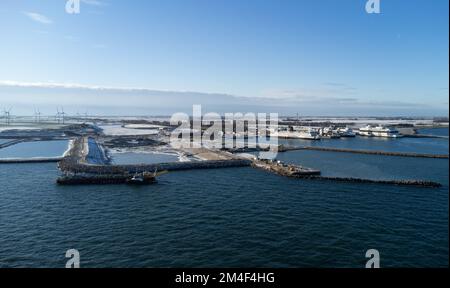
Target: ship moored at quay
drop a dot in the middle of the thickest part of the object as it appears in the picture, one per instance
(379, 131)
(331, 132)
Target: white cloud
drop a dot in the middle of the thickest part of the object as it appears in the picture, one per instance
(50, 85)
(129, 100)
(38, 17)
(336, 92)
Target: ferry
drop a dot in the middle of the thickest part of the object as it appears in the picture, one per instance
(329, 132)
(346, 132)
(306, 133)
(309, 134)
(379, 131)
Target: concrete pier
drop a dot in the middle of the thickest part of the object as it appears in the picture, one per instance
(175, 166)
(284, 169)
(300, 172)
(419, 183)
(369, 152)
(425, 136)
(30, 160)
(100, 180)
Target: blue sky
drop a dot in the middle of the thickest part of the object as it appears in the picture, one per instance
(315, 57)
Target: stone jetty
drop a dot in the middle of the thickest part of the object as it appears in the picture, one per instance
(77, 170)
(357, 151)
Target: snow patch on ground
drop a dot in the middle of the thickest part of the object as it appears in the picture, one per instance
(69, 147)
(142, 126)
(118, 130)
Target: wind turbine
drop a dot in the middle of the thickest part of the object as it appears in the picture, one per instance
(36, 115)
(58, 115)
(85, 116)
(39, 116)
(7, 116)
(63, 114)
(4, 115)
(77, 117)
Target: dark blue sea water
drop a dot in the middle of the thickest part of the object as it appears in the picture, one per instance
(238, 217)
(434, 131)
(369, 166)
